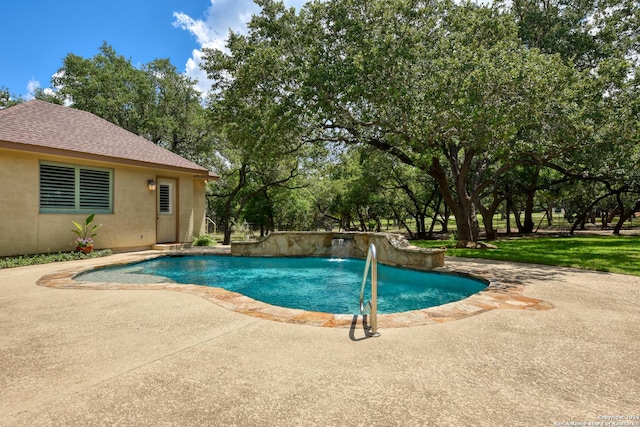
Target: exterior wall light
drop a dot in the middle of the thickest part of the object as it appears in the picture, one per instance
(151, 184)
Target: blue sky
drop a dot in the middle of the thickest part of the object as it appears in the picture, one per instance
(36, 35)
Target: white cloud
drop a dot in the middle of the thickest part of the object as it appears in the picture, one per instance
(193, 71)
(32, 86)
(205, 34)
(213, 30)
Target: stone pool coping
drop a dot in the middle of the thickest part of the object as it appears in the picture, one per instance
(501, 293)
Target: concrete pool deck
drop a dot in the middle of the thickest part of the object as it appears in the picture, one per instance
(76, 357)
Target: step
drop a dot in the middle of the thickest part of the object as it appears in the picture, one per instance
(170, 246)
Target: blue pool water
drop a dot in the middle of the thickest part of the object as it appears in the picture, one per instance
(314, 284)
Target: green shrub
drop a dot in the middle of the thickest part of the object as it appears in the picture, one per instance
(24, 260)
(204, 240)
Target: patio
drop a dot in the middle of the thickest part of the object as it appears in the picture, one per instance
(151, 357)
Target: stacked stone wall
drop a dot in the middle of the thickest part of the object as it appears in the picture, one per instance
(391, 249)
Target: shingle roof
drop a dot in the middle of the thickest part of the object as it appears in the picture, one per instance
(39, 125)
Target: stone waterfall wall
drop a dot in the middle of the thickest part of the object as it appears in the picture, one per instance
(391, 249)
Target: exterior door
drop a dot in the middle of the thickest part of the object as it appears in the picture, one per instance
(166, 211)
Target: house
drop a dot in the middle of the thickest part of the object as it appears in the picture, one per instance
(59, 164)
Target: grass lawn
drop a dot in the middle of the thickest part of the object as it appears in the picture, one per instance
(615, 254)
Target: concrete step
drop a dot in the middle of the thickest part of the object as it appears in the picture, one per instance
(170, 246)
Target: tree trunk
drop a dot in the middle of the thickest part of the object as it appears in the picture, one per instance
(528, 225)
(582, 217)
(579, 221)
(445, 219)
(488, 213)
(363, 221)
(508, 210)
(436, 212)
(516, 214)
(401, 222)
(227, 236)
(487, 220)
(624, 215)
(421, 227)
(423, 217)
(623, 218)
(461, 206)
(467, 222)
(272, 222)
(226, 222)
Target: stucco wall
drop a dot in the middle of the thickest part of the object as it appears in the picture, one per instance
(132, 225)
(18, 211)
(391, 249)
(198, 223)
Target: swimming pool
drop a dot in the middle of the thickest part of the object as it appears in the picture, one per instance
(314, 284)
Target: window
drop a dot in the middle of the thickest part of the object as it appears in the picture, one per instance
(75, 189)
(165, 199)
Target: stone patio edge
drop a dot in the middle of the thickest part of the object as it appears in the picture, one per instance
(497, 295)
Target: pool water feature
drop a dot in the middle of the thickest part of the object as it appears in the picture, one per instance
(329, 285)
(341, 248)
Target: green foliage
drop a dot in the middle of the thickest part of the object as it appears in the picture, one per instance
(154, 101)
(107, 85)
(48, 96)
(472, 108)
(174, 116)
(259, 145)
(582, 32)
(352, 191)
(296, 210)
(25, 260)
(259, 211)
(448, 89)
(204, 240)
(7, 99)
(86, 230)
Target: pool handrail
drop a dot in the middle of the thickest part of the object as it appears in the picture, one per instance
(372, 305)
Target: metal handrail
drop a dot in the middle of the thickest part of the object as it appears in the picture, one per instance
(215, 226)
(372, 305)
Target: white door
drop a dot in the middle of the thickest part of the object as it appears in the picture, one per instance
(166, 209)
